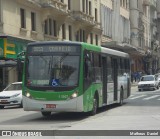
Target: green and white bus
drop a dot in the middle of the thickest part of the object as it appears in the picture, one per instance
(65, 76)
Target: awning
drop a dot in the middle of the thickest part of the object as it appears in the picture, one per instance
(7, 63)
(125, 47)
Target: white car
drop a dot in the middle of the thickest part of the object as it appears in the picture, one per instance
(158, 77)
(11, 95)
(148, 82)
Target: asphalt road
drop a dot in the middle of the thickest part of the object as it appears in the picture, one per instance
(141, 111)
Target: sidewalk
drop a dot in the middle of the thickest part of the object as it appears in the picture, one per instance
(134, 83)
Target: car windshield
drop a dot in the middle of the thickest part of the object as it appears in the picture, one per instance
(13, 87)
(147, 78)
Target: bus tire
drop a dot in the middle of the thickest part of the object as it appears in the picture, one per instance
(46, 114)
(121, 97)
(94, 110)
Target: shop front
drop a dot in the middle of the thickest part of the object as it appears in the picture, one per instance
(136, 54)
(10, 48)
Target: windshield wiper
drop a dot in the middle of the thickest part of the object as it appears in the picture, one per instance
(58, 62)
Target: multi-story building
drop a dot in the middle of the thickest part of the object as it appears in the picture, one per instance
(115, 22)
(23, 21)
(130, 26)
(143, 16)
(158, 28)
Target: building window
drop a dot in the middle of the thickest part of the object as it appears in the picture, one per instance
(45, 27)
(84, 36)
(124, 4)
(106, 20)
(69, 4)
(96, 36)
(83, 5)
(23, 18)
(121, 3)
(50, 26)
(70, 32)
(145, 10)
(90, 8)
(81, 35)
(91, 38)
(86, 6)
(95, 14)
(33, 21)
(63, 31)
(55, 27)
(62, 1)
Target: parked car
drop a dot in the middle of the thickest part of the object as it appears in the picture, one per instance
(11, 95)
(148, 82)
(158, 78)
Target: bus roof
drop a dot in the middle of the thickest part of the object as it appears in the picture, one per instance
(54, 42)
(89, 46)
(105, 50)
(114, 52)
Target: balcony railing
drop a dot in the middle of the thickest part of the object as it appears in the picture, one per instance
(53, 4)
(81, 16)
(150, 3)
(85, 19)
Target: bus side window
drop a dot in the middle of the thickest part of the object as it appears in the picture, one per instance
(87, 67)
(87, 70)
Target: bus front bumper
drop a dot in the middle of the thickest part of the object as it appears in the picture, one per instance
(72, 105)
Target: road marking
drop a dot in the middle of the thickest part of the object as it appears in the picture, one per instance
(151, 97)
(131, 95)
(138, 97)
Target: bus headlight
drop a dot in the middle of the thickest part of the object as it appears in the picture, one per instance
(28, 95)
(74, 95)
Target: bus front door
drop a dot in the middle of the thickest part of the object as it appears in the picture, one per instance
(104, 71)
(115, 75)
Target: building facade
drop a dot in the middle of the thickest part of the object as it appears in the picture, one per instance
(132, 26)
(143, 17)
(115, 24)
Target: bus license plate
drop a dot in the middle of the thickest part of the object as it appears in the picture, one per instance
(51, 106)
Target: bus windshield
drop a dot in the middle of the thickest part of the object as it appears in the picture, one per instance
(57, 70)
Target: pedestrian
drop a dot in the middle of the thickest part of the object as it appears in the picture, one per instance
(138, 76)
(132, 76)
(135, 76)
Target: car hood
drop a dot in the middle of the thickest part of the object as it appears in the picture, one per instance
(146, 82)
(10, 93)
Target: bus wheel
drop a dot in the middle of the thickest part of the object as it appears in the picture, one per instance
(121, 97)
(46, 114)
(94, 110)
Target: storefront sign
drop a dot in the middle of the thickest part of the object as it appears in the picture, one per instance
(10, 47)
(1, 52)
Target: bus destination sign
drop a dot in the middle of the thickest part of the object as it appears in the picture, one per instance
(47, 48)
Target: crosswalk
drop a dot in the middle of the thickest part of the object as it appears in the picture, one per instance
(144, 97)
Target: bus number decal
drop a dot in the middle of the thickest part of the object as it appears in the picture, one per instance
(63, 96)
